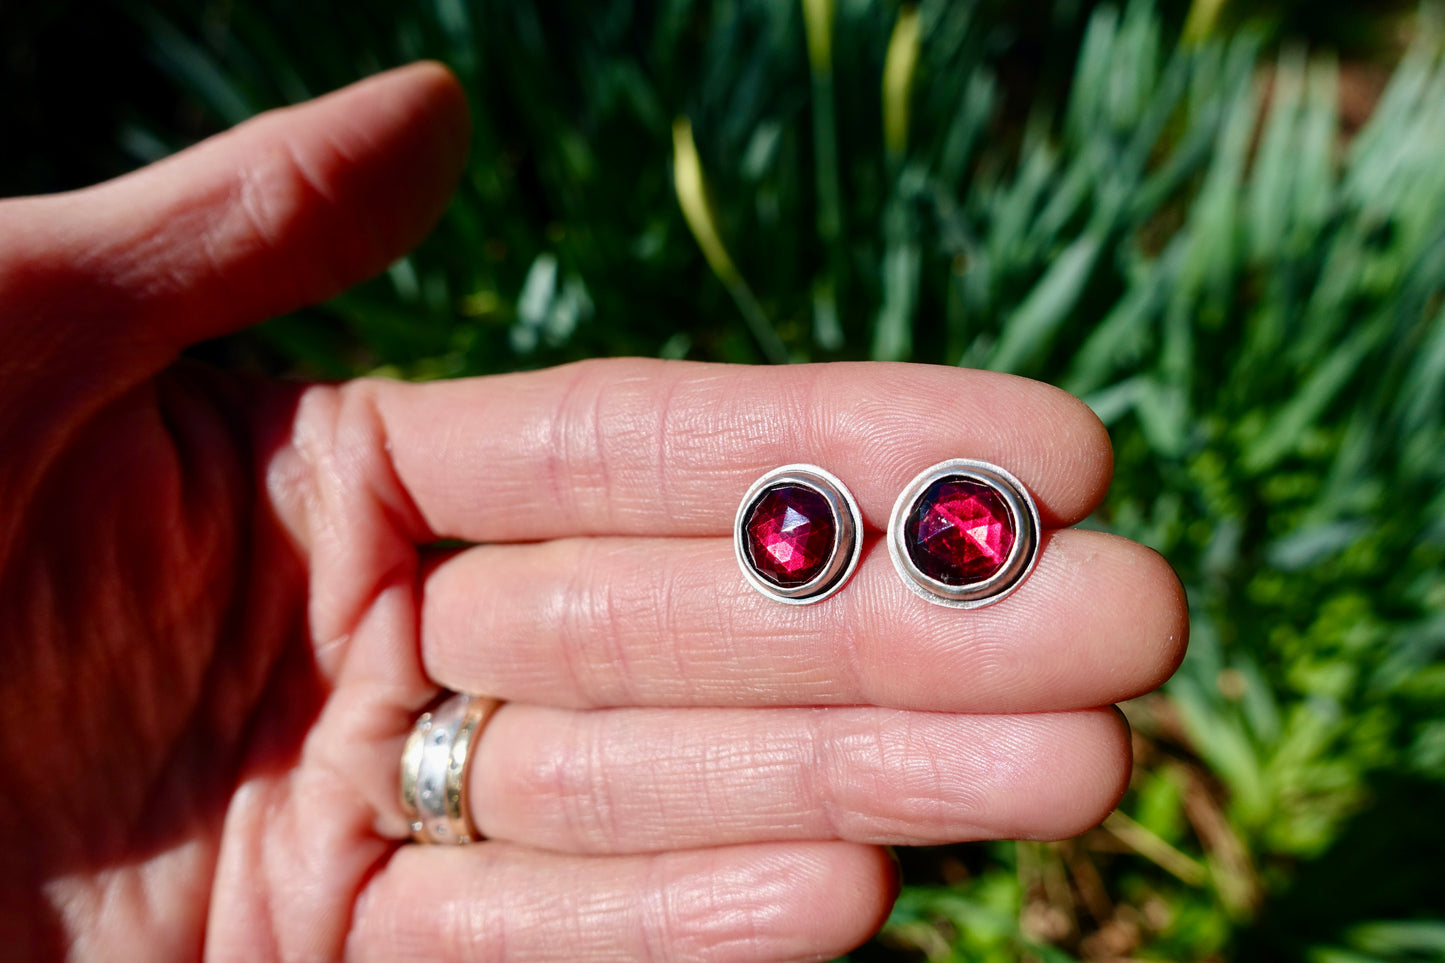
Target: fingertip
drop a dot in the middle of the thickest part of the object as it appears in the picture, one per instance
(1124, 734)
(1085, 758)
(1080, 452)
(1050, 439)
(285, 210)
(1172, 628)
(434, 89)
(849, 892)
(1114, 744)
(376, 162)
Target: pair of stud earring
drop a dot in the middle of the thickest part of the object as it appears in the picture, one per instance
(963, 533)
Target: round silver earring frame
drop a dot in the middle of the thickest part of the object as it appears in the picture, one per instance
(1021, 559)
(847, 534)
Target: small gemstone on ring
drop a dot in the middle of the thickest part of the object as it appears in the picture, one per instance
(960, 531)
(790, 533)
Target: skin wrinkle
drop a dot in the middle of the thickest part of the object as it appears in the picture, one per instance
(818, 420)
(848, 659)
(138, 266)
(852, 643)
(349, 447)
(657, 927)
(561, 462)
(259, 802)
(805, 426)
(762, 759)
(617, 652)
(880, 781)
(666, 411)
(599, 454)
(265, 195)
(848, 748)
(733, 926)
(619, 911)
(291, 493)
(821, 776)
(593, 420)
(126, 900)
(706, 911)
(578, 779)
(714, 793)
(678, 436)
(670, 603)
(375, 703)
(658, 603)
(610, 820)
(253, 199)
(585, 635)
(743, 923)
(725, 412)
(724, 615)
(315, 453)
(445, 446)
(359, 399)
(955, 788)
(331, 487)
(590, 635)
(443, 659)
(554, 625)
(466, 931)
(487, 935)
(319, 188)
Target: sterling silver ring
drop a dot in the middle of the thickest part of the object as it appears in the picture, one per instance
(434, 765)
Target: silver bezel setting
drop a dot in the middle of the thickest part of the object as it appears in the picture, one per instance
(1022, 556)
(847, 535)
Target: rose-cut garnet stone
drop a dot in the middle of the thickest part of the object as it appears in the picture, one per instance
(960, 531)
(790, 534)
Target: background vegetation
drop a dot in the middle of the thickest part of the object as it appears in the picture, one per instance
(1226, 233)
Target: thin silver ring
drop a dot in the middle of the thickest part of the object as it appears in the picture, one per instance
(847, 534)
(1021, 558)
(435, 763)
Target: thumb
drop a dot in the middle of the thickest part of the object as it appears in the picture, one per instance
(282, 211)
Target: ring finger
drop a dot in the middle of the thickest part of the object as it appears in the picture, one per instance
(639, 780)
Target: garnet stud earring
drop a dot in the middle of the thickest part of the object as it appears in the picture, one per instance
(964, 533)
(798, 534)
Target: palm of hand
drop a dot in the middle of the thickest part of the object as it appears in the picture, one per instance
(219, 626)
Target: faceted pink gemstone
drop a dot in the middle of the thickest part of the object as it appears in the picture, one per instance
(790, 535)
(960, 532)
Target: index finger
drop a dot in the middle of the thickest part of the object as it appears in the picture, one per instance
(655, 448)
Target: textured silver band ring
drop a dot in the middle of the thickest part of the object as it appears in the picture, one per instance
(435, 762)
(964, 533)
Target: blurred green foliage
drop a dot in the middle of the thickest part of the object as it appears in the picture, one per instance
(1249, 291)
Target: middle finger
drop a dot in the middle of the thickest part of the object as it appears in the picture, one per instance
(654, 622)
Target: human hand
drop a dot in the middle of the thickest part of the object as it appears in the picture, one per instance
(221, 613)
